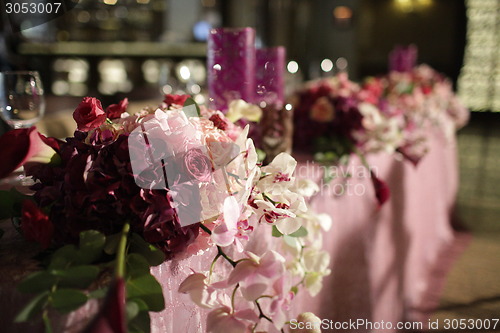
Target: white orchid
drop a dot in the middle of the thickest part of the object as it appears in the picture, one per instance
(240, 109)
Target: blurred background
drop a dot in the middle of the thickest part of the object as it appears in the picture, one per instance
(142, 49)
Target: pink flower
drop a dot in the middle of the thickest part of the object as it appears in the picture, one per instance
(224, 320)
(225, 233)
(36, 225)
(281, 304)
(89, 114)
(199, 291)
(198, 165)
(255, 274)
(115, 110)
(24, 145)
(279, 174)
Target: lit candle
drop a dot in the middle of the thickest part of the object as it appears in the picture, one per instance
(231, 66)
(270, 83)
(403, 59)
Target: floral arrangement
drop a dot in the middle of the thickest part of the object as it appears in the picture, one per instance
(337, 117)
(128, 192)
(418, 98)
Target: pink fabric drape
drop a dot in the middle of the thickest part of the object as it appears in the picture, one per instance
(383, 258)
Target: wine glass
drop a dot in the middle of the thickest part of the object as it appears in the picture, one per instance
(21, 98)
(21, 105)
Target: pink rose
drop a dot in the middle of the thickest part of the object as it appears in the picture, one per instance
(23, 145)
(115, 110)
(89, 114)
(36, 225)
(198, 164)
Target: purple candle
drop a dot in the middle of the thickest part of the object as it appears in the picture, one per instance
(270, 72)
(231, 66)
(403, 59)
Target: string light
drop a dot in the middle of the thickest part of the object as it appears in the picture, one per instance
(479, 80)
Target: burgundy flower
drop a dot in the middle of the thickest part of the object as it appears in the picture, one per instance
(382, 191)
(175, 99)
(219, 122)
(111, 318)
(36, 225)
(115, 110)
(198, 165)
(19, 146)
(94, 188)
(89, 114)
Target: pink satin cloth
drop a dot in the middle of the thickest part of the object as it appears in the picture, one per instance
(381, 257)
(384, 259)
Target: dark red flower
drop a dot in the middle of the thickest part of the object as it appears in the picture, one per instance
(89, 114)
(219, 122)
(115, 110)
(36, 225)
(382, 191)
(111, 318)
(175, 99)
(20, 145)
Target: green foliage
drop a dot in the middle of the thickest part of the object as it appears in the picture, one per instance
(32, 308)
(190, 101)
(147, 289)
(138, 245)
(67, 300)
(301, 232)
(70, 271)
(276, 232)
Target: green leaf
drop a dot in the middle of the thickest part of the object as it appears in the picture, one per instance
(148, 289)
(77, 276)
(32, 308)
(141, 304)
(276, 232)
(11, 202)
(132, 310)
(137, 265)
(191, 111)
(112, 242)
(63, 257)
(67, 300)
(261, 155)
(302, 232)
(99, 293)
(153, 255)
(37, 282)
(91, 246)
(140, 324)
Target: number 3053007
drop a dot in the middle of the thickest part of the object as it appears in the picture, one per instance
(474, 324)
(32, 8)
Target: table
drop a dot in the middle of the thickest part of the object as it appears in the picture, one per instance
(383, 259)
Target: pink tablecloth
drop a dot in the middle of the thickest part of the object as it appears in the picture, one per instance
(382, 258)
